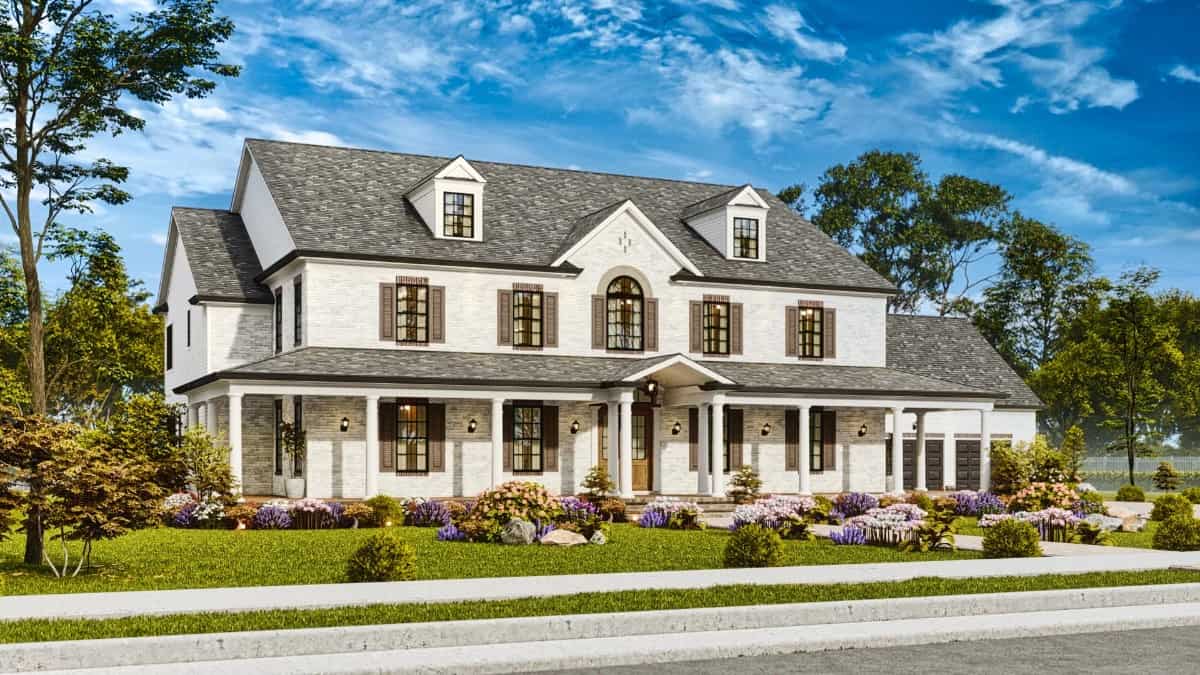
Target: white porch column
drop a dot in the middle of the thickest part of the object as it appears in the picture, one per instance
(626, 445)
(614, 443)
(950, 459)
(193, 415)
(985, 449)
(371, 486)
(703, 474)
(717, 458)
(897, 450)
(235, 440)
(805, 450)
(919, 469)
(497, 427)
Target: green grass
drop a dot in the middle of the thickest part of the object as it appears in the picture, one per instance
(171, 558)
(584, 603)
(1141, 539)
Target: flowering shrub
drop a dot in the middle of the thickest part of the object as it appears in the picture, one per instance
(971, 503)
(450, 533)
(580, 516)
(891, 525)
(208, 515)
(272, 516)
(672, 513)
(429, 514)
(177, 501)
(789, 516)
(311, 514)
(851, 504)
(1038, 496)
(357, 514)
(516, 499)
(1089, 502)
(184, 515)
(849, 536)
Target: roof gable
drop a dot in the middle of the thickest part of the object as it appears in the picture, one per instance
(589, 227)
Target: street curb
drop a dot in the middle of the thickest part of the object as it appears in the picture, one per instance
(121, 652)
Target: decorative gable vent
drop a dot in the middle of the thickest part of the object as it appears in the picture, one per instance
(450, 201)
(734, 222)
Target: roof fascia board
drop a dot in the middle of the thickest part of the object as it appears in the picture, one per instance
(563, 270)
(749, 191)
(628, 207)
(892, 393)
(674, 360)
(243, 173)
(164, 273)
(208, 299)
(458, 161)
(688, 279)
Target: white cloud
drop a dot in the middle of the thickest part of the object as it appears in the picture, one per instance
(788, 24)
(1185, 73)
(514, 24)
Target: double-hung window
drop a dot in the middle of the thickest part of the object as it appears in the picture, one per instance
(716, 327)
(458, 215)
(809, 328)
(279, 319)
(412, 313)
(745, 238)
(527, 318)
(816, 461)
(527, 438)
(412, 438)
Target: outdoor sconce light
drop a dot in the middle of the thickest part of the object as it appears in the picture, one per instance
(766, 430)
(862, 431)
(575, 427)
(676, 429)
(345, 425)
(472, 426)
(651, 387)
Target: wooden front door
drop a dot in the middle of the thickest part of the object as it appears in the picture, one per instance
(643, 447)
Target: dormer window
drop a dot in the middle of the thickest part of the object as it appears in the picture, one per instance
(745, 238)
(458, 215)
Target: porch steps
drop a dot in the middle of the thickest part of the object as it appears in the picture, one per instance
(711, 505)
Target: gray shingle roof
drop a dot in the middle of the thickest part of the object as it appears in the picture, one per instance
(220, 255)
(349, 201)
(586, 224)
(714, 202)
(414, 366)
(952, 349)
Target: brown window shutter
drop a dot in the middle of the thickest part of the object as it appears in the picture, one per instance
(602, 434)
(696, 326)
(829, 439)
(693, 438)
(550, 318)
(829, 333)
(435, 420)
(437, 313)
(387, 312)
(651, 337)
(598, 322)
(734, 421)
(790, 326)
(791, 440)
(387, 436)
(506, 434)
(550, 438)
(504, 321)
(735, 328)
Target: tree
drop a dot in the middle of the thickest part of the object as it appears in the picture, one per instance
(27, 444)
(146, 426)
(1166, 478)
(68, 73)
(1182, 310)
(1074, 449)
(968, 217)
(795, 198)
(206, 466)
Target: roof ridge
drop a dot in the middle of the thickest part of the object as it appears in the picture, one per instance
(488, 161)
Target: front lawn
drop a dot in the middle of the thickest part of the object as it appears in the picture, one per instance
(174, 558)
(583, 603)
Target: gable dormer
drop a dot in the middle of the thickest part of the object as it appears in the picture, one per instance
(733, 222)
(450, 201)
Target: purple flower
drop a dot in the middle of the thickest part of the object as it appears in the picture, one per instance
(430, 514)
(652, 518)
(450, 533)
(969, 503)
(541, 530)
(184, 516)
(271, 517)
(853, 504)
(575, 509)
(848, 536)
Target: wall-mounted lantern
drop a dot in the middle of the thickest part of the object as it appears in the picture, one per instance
(575, 427)
(766, 429)
(345, 425)
(862, 431)
(472, 426)
(676, 429)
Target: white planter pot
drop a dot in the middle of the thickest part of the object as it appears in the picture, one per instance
(295, 488)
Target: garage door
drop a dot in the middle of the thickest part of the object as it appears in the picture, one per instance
(933, 464)
(967, 465)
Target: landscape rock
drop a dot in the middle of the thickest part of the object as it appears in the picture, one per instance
(563, 538)
(598, 538)
(1132, 523)
(517, 532)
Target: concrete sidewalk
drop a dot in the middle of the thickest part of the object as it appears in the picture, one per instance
(135, 603)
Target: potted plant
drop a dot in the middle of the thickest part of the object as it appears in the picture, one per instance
(294, 445)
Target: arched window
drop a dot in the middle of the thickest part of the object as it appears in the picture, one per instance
(625, 315)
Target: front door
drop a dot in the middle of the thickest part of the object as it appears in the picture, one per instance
(643, 447)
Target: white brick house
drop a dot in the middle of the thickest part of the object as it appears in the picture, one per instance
(442, 325)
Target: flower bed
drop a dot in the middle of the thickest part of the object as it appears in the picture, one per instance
(790, 516)
(971, 503)
(671, 513)
(185, 510)
(1052, 524)
(890, 526)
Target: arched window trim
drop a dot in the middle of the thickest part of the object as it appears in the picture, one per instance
(625, 315)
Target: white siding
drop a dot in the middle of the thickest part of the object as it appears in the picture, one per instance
(238, 334)
(1018, 425)
(712, 226)
(265, 226)
(188, 363)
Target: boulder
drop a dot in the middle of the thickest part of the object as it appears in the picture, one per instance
(598, 538)
(517, 532)
(1132, 523)
(563, 538)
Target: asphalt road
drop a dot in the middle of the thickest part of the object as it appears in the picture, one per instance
(1173, 650)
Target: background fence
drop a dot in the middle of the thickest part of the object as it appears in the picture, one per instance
(1121, 463)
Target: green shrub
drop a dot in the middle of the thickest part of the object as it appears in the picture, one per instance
(597, 483)
(1131, 493)
(1192, 494)
(612, 510)
(1178, 533)
(824, 506)
(1074, 451)
(526, 500)
(383, 557)
(1011, 539)
(754, 546)
(1047, 465)
(1012, 469)
(1093, 534)
(1091, 502)
(385, 510)
(1167, 506)
(922, 500)
(744, 485)
(1166, 478)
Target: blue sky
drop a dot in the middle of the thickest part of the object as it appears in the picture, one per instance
(1086, 111)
